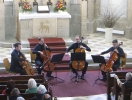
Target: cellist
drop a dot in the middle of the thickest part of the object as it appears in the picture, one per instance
(15, 58)
(120, 53)
(74, 46)
(38, 51)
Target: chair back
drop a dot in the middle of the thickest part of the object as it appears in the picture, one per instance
(33, 56)
(6, 64)
(123, 61)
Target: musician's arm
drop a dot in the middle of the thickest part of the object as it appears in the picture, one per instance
(107, 51)
(86, 47)
(121, 53)
(15, 56)
(69, 48)
(35, 50)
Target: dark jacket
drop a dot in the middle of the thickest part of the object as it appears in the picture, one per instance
(120, 54)
(128, 83)
(76, 45)
(15, 58)
(37, 48)
(40, 97)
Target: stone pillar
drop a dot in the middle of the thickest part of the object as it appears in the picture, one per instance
(2, 19)
(91, 16)
(84, 18)
(75, 21)
(10, 19)
(128, 29)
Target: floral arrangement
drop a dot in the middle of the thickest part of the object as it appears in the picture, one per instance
(25, 6)
(60, 6)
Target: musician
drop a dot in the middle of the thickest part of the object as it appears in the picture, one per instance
(15, 58)
(74, 46)
(119, 52)
(38, 51)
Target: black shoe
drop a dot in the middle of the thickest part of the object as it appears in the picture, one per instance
(82, 77)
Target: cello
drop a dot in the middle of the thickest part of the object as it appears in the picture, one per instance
(79, 64)
(109, 64)
(29, 70)
(47, 65)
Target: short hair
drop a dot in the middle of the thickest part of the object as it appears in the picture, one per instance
(16, 44)
(40, 38)
(115, 41)
(11, 84)
(41, 89)
(32, 83)
(15, 92)
(20, 98)
(128, 75)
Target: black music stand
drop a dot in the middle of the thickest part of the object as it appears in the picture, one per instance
(77, 57)
(98, 59)
(55, 59)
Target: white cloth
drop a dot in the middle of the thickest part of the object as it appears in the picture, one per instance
(44, 15)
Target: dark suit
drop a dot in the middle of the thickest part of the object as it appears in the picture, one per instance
(15, 65)
(128, 83)
(39, 60)
(74, 46)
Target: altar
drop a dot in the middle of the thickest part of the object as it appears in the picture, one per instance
(51, 24)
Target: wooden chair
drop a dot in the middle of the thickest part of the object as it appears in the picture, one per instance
(33, 56)
(7, 66)
(3, 97)
(123, 62)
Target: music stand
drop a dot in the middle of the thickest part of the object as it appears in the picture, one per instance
(98, 59)
(55, 59)
(77, 57)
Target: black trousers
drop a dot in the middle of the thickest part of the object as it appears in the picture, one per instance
(19, 70)
(83, 70)
(115, 66)
(39, 69)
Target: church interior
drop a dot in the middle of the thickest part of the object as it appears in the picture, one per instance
(99, 25)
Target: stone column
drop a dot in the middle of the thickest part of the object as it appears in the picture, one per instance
(128, 29)
(91, 16)
(10, 19)
(75, 21)
(84, 18)
(2, 19)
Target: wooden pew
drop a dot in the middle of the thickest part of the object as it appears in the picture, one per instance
(110, 81)
(126, 92)
(3, 97)
(23, 79)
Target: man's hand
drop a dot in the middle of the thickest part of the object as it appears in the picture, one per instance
(82, 47)
(40, 52)
(46, 45)
(116, 76)
(116, 50)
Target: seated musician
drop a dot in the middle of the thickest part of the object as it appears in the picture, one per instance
(41, 46)
(15, 59)
(74, 46)
(119, 52)
(127, 83)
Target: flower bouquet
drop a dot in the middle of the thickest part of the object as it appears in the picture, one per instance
(25, 6)
(60, 6)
